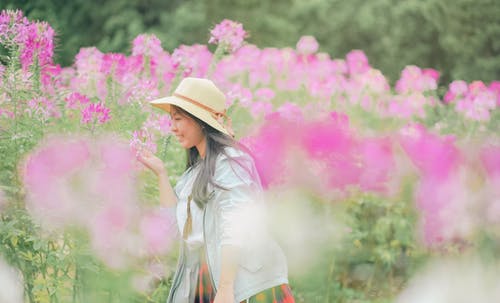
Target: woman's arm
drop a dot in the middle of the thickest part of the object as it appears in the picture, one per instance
(167, 194)
(237, 216)
(229, 266)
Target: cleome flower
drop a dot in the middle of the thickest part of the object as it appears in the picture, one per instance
(228, 33)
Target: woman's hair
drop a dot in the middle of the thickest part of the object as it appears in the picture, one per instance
(216, 144)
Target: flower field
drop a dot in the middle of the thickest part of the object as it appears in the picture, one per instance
(378, 191)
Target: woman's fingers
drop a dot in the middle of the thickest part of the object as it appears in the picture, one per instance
(151, 161)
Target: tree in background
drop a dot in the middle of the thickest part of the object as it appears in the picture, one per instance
(457, 37)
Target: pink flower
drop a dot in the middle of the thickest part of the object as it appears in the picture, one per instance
(476, 86)
(490, 158)
(143, 89)
(114, 65)
(43, 107)
(34, 39)
(261, 108)
(357, 62)
(111, 239)
(157, 230)
(68, 183)
(76, 100)
(89, 78)
(6, 113)
(433, 155)
(50, 78)
(229, 34)
(476, 101)
(269, 147)
(378, 164)
(339, 66)
(146, 45)
(48, 175)
(290, 111)
(38, 45)
(159, 123)
(414, 79)
(143, 139)
(264, 94)
(331, 143)
(457, 88)
(495, 88)
(194, 60)
(95, 111)
(432, 73)
(307, 45)
(238, 93)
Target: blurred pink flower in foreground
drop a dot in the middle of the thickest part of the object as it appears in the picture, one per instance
(333, 143)
(228, 33)
(89, 184)
(269, 146)
(442, 195)
(433, 155)
(157, 230)
(378, 164)
(49, 175)
(326, 148)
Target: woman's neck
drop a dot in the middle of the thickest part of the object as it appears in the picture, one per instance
(202, 147)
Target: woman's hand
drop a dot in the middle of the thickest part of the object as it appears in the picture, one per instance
(152, 162)
(224, 295)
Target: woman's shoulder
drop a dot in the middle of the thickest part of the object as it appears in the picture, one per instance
(235, 164)
(233, 153)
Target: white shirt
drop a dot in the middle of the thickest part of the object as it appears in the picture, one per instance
(183, 189)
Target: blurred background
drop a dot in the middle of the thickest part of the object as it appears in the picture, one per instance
(459, 38)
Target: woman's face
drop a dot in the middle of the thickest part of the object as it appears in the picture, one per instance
(187, 131)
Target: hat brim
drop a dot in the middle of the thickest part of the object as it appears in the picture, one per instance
(198, 112)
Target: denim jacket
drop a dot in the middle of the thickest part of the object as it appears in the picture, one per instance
(235, 216)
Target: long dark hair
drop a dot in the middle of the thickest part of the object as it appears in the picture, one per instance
(216, 143)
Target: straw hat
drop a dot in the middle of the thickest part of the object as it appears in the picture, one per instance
(202, 99)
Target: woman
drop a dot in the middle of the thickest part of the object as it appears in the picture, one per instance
(226, 255)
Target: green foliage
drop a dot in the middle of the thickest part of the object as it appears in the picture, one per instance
(380, 252)
(372, 253)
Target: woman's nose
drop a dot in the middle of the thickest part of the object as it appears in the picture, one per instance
(173, 127)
